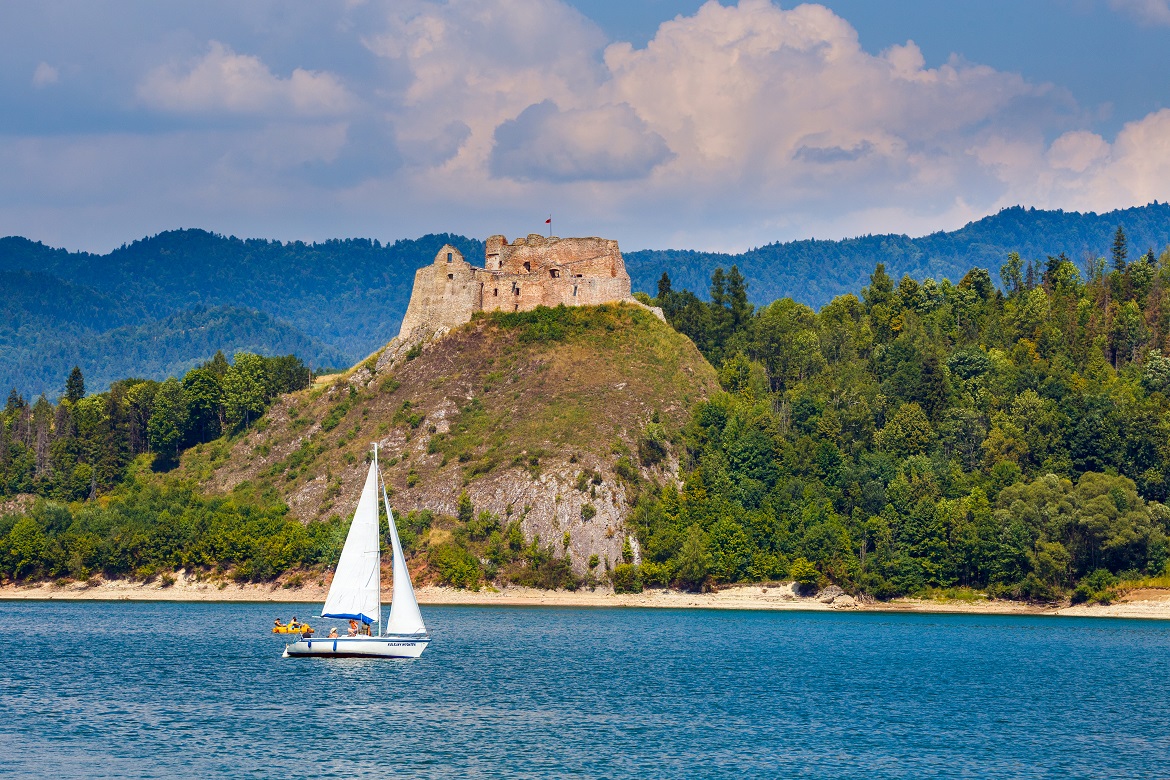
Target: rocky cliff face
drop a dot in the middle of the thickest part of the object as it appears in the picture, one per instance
(553, 418)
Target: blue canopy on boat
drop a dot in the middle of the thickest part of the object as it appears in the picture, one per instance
(363, 618)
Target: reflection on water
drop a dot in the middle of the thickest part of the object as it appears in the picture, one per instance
(166, 690)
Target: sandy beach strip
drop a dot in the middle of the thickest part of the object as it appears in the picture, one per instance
(1147, 603)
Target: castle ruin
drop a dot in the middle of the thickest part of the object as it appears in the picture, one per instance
(518, 276)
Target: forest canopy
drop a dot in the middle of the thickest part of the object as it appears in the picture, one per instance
(918, 435)
(927, 434)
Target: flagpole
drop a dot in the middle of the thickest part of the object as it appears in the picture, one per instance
(549, 220)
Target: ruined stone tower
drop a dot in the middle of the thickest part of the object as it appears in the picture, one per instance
(529, 272)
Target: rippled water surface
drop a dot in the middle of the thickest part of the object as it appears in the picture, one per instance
(186, 690)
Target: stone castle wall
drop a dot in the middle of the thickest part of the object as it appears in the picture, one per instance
(518, 276)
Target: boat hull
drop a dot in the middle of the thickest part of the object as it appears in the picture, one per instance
(359, 647)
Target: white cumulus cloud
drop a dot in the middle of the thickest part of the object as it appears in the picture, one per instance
(224, 81)
(1083, 171)
(733, 126)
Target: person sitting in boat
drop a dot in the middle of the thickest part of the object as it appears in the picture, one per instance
(294, 624)
(279, 624)
(353, 628)
(333, 633)
(306, 632)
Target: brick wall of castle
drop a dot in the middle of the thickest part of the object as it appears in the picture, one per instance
(518, 276)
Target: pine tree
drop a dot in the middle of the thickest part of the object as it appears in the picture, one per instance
(718, 288)
(1120, 252)
(880, 290)
(1052, 267)
(663, 287)
(218, 365)
(75, 386)
(741, 310)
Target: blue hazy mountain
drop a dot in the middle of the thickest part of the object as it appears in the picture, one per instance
(163, 303)
(814, 272)
(159, 305)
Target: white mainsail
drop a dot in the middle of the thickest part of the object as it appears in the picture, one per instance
(405, 617)
(356, 590)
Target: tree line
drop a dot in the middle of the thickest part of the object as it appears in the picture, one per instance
(927, 434)
(919, 435)
(82, 444)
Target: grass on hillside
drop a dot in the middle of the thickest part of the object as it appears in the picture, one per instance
(526, 386)
(610, 362)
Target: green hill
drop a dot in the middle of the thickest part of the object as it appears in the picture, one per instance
(550, 421)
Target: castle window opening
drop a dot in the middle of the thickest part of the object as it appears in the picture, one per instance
(574, 291)
(450, 276)
(496, 292)
(516, 289)
(528, 267)
(554, 273)
(449, 256)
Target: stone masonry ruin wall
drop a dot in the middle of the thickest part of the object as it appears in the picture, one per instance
(518, 276)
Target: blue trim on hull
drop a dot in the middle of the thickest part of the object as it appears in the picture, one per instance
(336, 648)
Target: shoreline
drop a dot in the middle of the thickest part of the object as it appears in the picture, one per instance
(1153, 604)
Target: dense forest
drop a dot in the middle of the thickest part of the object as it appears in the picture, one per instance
(928, 434)
(93, 455)
(920, 436)
(161, 305)
(83, 444)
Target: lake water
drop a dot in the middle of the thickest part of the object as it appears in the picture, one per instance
(200, 690)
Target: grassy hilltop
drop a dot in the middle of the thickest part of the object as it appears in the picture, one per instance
(536, 427)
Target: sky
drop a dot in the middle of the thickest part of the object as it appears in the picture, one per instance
(661, 123)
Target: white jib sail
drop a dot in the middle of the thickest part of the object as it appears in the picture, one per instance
(356, 590)
(405, 617)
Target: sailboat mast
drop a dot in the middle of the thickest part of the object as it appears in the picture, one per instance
(378, 474)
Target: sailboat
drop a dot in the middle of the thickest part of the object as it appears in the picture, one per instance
(356, 590)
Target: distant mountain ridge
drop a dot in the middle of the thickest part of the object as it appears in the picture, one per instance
(163, 303)
(815, 271)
